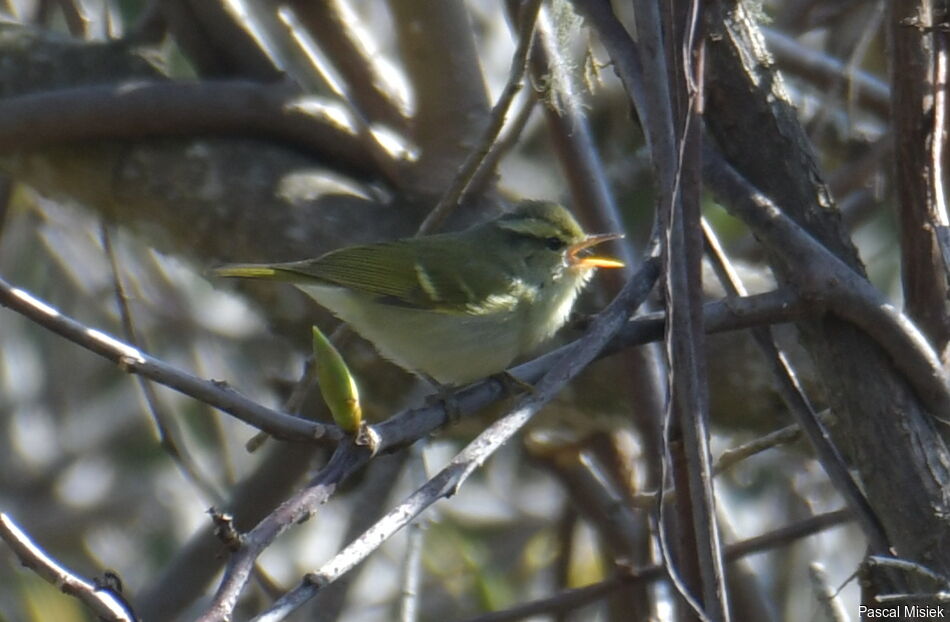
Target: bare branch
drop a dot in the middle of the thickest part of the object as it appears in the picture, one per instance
(735, 455)
(346, 460)
(335, 29)
(451, 108)
(470, 167)
(134, 361)
(141, 109)
(824, 278)
(217, 40)
(106, 603)
(572, 599)
(800, 406)
(672, 117)
(918, 65)
(169, 434)
(412, 574)
(824, 71)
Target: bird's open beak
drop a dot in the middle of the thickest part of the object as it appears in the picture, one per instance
(575, 257)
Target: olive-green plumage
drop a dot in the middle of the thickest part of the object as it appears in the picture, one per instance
(453, 306)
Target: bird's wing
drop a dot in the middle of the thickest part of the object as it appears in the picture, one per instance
(416, 274)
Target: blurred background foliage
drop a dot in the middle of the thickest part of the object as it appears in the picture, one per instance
(126, 227)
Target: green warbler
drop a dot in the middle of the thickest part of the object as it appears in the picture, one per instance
(454, 307)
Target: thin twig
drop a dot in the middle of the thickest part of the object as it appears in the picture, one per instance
(499, 113)
(505, 143)
(825, 71)
(412, 572)
(674, 69)
(827, 597)
(571, 599)
(734, 455)
(346, 460)
(795, 399)
(169, 434)
(134, 361)
(106, 603)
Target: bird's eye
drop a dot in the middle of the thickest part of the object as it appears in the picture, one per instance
(555, 244)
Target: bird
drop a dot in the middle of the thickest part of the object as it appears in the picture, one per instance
(454, 307)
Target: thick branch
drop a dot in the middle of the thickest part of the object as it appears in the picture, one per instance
(336, 30)
(438, 51)
(918, 64)
(140, 110)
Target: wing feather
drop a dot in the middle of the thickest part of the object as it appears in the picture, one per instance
(415, 273)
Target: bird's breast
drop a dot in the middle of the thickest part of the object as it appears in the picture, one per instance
(552, 307)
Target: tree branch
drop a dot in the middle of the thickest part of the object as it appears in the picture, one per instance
(106, 603)
(134, 361)
(824, 71)
(346, 460)
(438, 51)
(148, 109)
(335, 28)
(822, 277)
(572, 599)
(918, 65)
(470, 167)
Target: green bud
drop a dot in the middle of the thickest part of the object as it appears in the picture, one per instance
(336, 384)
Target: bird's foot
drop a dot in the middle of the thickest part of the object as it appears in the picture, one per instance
(512, 384)
(444, 396)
